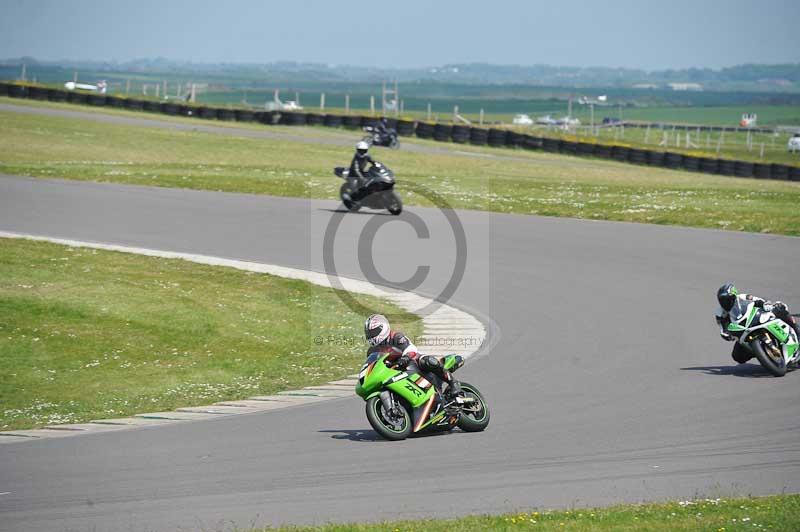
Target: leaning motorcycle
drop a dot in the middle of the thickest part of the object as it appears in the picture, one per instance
(771, 340)
(376, 137)
(401, 403)
(376, 193)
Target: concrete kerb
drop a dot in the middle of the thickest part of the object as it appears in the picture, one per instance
(444, 331)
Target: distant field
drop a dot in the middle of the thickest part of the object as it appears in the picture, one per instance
(467, 177)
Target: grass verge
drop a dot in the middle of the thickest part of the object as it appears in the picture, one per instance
(469, 178)
(87, 334)
(776, 513)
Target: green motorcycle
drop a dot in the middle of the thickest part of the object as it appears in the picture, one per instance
(401, 403)
(771, 340)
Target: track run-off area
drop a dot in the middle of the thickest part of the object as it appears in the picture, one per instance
(605, 373)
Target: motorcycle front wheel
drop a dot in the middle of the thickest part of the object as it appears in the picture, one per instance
(475, 417)
(392, 426)
(394, 143)
(393, 203)
(774, 364)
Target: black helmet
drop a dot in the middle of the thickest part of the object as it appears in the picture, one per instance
(726, 295)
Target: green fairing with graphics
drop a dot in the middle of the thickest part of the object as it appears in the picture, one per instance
(401, 403)
(773, 341)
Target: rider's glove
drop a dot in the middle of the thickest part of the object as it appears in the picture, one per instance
(403, 361)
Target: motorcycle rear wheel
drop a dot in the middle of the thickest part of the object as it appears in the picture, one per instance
(777, 368)
(478, 420)
(347, 204)
(392, 429)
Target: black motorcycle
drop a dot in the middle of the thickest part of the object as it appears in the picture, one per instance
(375, 191)
(381, 137)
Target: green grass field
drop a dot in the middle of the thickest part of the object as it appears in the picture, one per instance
(777, 513)
(87, 334)
(527, 183)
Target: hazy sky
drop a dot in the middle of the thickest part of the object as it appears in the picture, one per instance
(409, 33)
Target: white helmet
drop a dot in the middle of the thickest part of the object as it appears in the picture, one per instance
(376, 329)
(362, 148)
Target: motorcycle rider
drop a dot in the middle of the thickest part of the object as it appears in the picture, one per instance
(358, 170)
(403, 352)
(732, 306)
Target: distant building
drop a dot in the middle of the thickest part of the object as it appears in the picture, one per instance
(685, 86)
(645, 86)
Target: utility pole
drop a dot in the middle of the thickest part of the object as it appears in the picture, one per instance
(322, 102)
(24, 74)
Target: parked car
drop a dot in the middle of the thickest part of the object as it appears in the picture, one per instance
(794, 143)
(522, 120)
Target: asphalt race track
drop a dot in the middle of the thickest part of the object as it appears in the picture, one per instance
(608, 381)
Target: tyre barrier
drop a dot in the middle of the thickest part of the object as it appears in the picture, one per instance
(56, 95)
(478, 136)
(77, 97)
(352, 121)
(794, 173)
(585, 149)
(497, 137)
(17, 91)
(602, 151)
(244, 115)
(531, 142)
(186, 110)
(691, 163)
(37, 93)
(225, 114)
(762, 171)
(673, 160)
(98, 100)
(424, 130)
(4, 87)
(569, 147)
(442, 132)
(780, 171)
(709, 165)
(209, 113)
(131, 104)
(405, 128)
(743, 169)
(655, 158)
(726, 167)
(314, 119)
(551, 145)
(151, 107)
(460, 134)
(169, 108)
(332, 121)
(515, 139)
(268, 117)
(391, 123)
(637, 156)
(620, 153)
